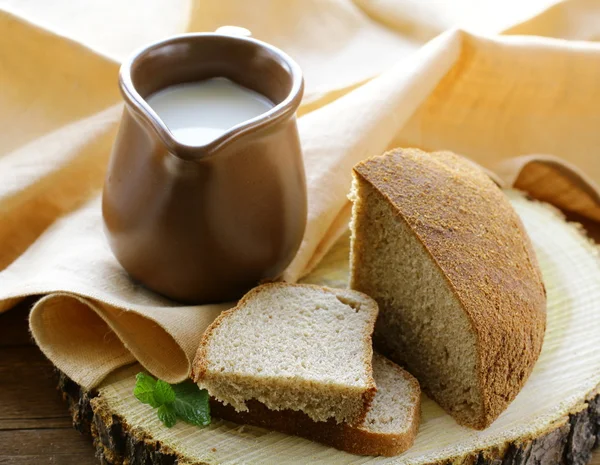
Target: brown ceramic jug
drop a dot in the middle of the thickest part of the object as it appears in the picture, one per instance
(206, 223)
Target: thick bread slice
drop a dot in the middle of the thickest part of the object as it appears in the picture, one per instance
(388, 429)
(462, 305)
(292, 346)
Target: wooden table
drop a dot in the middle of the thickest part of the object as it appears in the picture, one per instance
(35, 427)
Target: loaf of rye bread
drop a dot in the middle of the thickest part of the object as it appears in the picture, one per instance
(461, 300)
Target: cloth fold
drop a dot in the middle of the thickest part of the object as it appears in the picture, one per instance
(369, 88)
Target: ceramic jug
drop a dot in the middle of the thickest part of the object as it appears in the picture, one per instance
(206, 223)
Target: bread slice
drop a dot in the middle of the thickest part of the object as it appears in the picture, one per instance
(388, 429)
(462, 305)
(293, 346)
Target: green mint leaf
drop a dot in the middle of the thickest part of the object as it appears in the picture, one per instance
(191, 403)
(184, 400)
(144, 389)
(163, 392)
(167, 414)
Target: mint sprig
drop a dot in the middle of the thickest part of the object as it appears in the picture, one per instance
(184, 400)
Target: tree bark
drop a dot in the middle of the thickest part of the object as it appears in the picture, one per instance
(569, 444)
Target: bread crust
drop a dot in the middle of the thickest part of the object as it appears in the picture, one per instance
(494, 276)
(359, 439)
(200, 365)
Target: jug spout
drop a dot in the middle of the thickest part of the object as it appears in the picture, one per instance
(206, 222)
(193, 58)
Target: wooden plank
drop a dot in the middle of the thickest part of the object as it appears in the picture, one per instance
(82, 459)
(28, 387)
(62, 422)
(14, 325)
(35, 426)
(45, 446)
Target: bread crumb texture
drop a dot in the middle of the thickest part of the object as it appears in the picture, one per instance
(291, 346)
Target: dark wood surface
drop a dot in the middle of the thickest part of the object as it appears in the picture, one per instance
(35, 426)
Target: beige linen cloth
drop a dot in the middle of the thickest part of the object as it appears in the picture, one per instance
(379, 74)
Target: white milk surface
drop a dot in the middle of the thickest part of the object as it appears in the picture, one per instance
(197, 113)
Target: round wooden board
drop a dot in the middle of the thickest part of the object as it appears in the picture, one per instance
(554, 420)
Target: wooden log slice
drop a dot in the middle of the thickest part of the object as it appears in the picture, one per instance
(554, 420)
